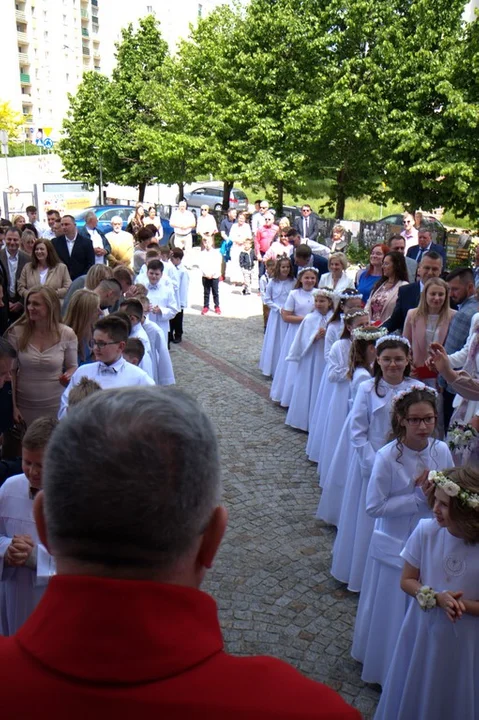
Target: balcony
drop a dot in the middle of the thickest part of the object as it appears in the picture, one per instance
(84, 14)
(20, 16)
(96, 53)
(85, 50)
(94, 3)
(94, 19)
(26, 99)
(22, 37)
(24, 79)
(23, 58)
(85, 32)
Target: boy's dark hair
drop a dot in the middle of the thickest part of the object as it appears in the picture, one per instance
(155, 265)
(122, 314)
(144, 234)
(39, 433)
(122, 274)
(135, 348)
(177, 253)
(31, 208)
(114, 326)
(57, 215)
(84, 388)
(303, 251)
(132, 306)
(153, 246)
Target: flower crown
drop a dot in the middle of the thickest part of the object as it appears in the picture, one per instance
(349, 295)
(354, 314)
(311, 269)
(413, 388)
(324, 292)
(362, 334)
(396, 338)
(452, 489)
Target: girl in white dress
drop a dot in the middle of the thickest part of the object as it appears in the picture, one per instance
(276, 294)
(370, 425)
(349, 301)
(397, 497)
(307, 350)
(300, 302)
(335, 407)
(361, 359)
(435, 667)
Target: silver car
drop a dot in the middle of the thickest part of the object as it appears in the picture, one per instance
(212, 195)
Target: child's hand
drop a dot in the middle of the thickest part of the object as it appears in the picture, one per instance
(320, 334)
(425, 484)
(451, 603)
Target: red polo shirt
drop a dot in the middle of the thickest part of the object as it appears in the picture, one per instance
(97, 648)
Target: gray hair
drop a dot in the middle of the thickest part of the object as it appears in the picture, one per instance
(116, 219)
(90, 214)
(131, 479)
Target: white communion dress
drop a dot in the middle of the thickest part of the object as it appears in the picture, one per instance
(276, 294)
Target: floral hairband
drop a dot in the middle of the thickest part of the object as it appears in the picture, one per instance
(362, 334)
(396, 338)
(414, 388)
(452, 489)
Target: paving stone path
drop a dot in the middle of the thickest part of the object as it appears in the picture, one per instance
(271, 579)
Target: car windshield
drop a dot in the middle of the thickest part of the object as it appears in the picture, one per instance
(82, 214)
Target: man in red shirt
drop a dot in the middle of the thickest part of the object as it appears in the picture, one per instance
(263, 238)
(131, 512)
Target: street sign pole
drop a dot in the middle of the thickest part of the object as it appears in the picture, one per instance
(4, 143)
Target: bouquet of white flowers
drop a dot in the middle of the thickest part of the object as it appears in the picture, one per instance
(461, 436)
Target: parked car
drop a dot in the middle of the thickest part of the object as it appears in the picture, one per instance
(212, 195)
(430, 222)
(105, 213)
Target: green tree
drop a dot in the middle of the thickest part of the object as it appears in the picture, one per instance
(10, 120)
(85, 130)
(132, 109)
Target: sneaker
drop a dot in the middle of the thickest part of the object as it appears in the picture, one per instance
(204, 311)
(244, 291)
(217, 311)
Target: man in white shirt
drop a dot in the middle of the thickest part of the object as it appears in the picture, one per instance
(257, 219)
(111, 370)
(54, 225)
(121, 244)
(13, 261)
(101, 246)
(410, 232)
(183, 222)
(32, 214)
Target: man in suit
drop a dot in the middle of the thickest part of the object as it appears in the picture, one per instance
(397, 243)
(303, 257)
(408, 295)
(424, 245)
(13, 261)
(134, 525)
(73, 249)
(307, 225)
(101, 246)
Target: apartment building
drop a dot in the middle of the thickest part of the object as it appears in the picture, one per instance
(46, 46)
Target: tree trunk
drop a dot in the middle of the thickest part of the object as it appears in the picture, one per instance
(141, 191)
(181, 191)
(341, 194)
(227, 188)
(280, 193)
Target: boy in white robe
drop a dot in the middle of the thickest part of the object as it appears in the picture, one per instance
(162, 299)
(162, 366)
(134, 309)
(183, 281)
(25, 564)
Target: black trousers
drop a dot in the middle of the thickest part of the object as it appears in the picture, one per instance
(176, 326)
(211, 285)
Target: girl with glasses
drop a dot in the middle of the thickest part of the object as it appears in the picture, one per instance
(370, 425)
(397, 497)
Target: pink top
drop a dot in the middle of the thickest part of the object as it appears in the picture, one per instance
(263, 238)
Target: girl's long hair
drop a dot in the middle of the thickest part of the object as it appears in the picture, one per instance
(422, 311)
(391, 343)
(80, 316)
(27, 327)
(300, 275)
(465, 518)
(276, 274)
(358, 352)
(349, 319)
(351, 293)
(400, 270)
(400, 411)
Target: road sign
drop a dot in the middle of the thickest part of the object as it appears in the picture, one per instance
(39, 142)
(48, 143)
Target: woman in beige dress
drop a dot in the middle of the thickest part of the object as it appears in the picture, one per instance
(47, 356)
(46, 269)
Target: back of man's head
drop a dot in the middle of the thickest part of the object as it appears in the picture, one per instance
(303, 252)
(131, 506)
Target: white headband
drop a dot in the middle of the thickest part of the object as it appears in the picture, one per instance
(396, 338)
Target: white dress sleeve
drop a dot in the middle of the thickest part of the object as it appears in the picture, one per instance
(338, 368)
(379, 499)
(290, 304)
(360, 423)
(412, 550)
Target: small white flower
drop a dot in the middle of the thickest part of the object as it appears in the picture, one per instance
(450, 488)
(473, 502)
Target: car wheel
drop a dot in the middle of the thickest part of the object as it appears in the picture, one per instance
(218, 207)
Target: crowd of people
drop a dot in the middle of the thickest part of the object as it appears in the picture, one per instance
(368, 368)
(382, 372)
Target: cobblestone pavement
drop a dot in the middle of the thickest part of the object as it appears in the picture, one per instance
(271, 579)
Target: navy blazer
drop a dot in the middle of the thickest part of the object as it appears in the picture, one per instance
(82, 257)
(318, 262)
(408, 298)
(414, 251)
(313, 226)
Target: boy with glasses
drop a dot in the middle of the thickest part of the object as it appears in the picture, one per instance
(110, 370)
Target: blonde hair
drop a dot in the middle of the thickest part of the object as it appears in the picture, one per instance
(80, 316)
(96, 274)
(339, 256)
(27, 327)
(422, 311)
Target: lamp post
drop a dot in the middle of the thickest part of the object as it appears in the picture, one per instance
(100, 180)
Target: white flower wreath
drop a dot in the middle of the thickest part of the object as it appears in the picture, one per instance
(414, 388)
(452, 489)
(396, 338)
(362, 334)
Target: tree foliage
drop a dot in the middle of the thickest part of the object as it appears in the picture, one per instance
(10, 120)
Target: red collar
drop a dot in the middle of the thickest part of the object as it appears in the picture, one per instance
(110, 631)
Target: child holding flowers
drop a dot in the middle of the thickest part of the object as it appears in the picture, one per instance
(435, 666)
